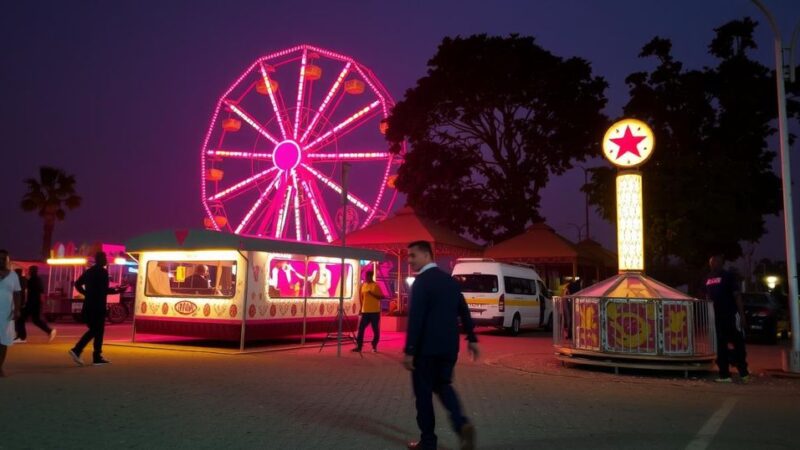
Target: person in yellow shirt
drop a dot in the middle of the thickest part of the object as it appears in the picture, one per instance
(371, 296)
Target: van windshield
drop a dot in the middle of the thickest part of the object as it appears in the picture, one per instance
(477, 282)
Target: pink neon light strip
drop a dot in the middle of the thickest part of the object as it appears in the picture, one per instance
(345, 123)
(272, 100)
(275, 183)
(331, 184)
(381, 191)
(325, 102)
(352, 156)
(298, 232)
(242, 184)
(241, 155)
(317, 212)
(246, 117)
(300, 93)
(284, 213)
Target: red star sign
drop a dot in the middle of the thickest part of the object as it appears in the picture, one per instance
(628, 143)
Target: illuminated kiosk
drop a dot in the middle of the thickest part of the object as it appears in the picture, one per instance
(221, 286)
(631, 320)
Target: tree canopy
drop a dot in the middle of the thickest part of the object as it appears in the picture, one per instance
(488, 125)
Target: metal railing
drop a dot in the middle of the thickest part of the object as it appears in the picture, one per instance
(646, 327)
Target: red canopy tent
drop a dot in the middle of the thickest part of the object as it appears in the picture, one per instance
(393, 235)
(554, 255)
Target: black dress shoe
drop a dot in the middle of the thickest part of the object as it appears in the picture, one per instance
(467, 435)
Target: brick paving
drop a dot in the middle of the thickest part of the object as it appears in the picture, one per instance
(517, 395)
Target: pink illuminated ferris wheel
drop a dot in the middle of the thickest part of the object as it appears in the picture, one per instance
(271, 160)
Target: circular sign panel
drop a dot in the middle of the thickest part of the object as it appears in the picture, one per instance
(628, 143)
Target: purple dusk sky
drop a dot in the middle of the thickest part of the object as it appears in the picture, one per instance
(120, 94)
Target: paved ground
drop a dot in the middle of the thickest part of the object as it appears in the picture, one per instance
(517, 395)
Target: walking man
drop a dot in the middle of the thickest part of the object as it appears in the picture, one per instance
(371, 296)
(94, 285)
(33, 307)
(729, 319)
(432, 345)
(10, 306)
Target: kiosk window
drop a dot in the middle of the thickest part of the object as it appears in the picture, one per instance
(191, 279)
(288, 278)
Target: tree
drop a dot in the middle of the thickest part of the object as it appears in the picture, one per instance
(50, 195)
(487, 126)
(710, 181)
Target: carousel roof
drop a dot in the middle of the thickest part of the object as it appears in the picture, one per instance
(632, 285)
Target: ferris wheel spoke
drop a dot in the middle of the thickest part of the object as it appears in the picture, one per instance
(250, 120)
(278, 114)
(349, 156)
(319, 211)
(240, 155)
(242, 184)
(325, 102)
(338, 189)
(344, 126)
(274, 184)
(300, 84)
(284, 212)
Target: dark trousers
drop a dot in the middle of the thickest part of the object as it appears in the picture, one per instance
(729, 330)
(97, 326)
(34, 311)
(367, 319)
(435, 374)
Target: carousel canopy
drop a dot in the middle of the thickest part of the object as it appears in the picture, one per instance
(632, 285)
(395, 233)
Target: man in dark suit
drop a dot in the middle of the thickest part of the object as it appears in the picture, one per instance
(432, 344)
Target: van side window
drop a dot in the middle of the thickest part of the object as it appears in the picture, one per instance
(522, 286)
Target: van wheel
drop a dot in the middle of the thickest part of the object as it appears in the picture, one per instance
(516, 324)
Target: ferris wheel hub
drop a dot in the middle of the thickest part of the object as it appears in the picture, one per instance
(286, 155)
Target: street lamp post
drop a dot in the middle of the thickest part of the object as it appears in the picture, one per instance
(586, 199)
(786, 177)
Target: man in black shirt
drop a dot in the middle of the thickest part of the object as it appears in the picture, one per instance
(33, 307)
(729, 319)
(94, 285)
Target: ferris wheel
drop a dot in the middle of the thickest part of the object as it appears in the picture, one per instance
(272, 158)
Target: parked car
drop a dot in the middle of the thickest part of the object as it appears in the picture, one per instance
(766, 316)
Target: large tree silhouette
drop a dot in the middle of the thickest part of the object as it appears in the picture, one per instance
(488, 125)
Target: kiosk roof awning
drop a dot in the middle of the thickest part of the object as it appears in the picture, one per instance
(187, 239)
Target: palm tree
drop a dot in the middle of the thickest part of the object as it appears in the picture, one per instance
(50, 195)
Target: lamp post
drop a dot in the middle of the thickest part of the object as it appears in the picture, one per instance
(786, 178)
(585, 199)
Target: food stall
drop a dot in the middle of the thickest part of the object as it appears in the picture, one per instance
(67, 265)
(213, 285)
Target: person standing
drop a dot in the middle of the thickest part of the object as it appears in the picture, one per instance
(432, 345)
(33, 307)
(10, 306)
(94, 285)
(729, 319)
(371, 296)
